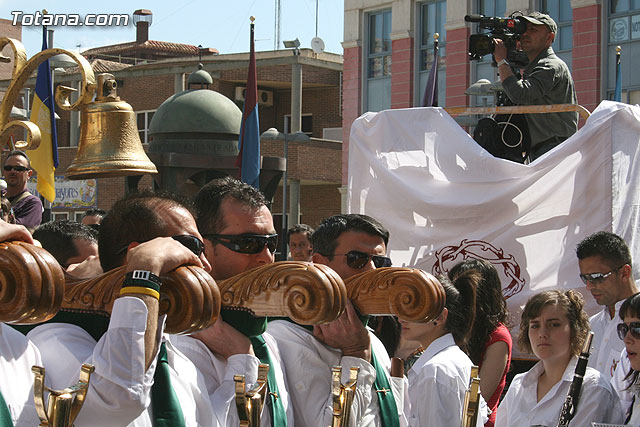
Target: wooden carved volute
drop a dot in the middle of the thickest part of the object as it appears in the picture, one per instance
(409, 293)
(31, 284)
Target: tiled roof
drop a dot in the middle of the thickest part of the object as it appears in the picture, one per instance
(148, 46)
(104, 66)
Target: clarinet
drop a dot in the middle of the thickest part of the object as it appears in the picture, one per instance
(571, 401)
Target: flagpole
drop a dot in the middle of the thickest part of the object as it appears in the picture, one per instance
(617, 94)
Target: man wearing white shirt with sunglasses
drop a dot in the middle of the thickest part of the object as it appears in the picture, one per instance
(604, 260)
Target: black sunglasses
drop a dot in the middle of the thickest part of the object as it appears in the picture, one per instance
(190, 242)
(357, 259)
(18, 168)
(633, 327)
(245, 243)
(596, 278)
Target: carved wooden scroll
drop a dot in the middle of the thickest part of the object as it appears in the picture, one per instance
(31, 284)
(409, 293)
(306, 293)
(189, 297)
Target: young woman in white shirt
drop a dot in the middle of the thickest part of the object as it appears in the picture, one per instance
(439, 378)
(629, 332)
(554, 327)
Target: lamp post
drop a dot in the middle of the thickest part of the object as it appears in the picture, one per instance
(273, 134)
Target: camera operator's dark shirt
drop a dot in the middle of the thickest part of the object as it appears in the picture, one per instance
(546, 80)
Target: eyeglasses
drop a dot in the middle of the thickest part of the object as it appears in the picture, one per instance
(190, 242)
(633, 327)
(17, 168)
(245, 243)
(357, 259)
(596, 278)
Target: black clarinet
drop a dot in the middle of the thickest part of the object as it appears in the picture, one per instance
(571, 401)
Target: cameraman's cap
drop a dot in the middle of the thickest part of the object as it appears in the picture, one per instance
(538, 18)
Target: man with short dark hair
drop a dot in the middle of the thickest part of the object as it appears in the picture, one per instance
(545, 80)
(27, 208)
(239, 235)
(152, 233)
(299, 238)
(605, 268)
(68, 241)
(349, 244)
(93, 216)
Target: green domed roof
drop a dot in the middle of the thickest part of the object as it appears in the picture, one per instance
(201, 111)
(200, 77)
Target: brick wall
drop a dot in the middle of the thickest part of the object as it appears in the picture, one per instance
(587, 36)
(458, 67)
(402, 71)
(351, 97)
(317, 202)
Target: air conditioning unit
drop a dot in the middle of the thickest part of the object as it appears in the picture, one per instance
(265, 97)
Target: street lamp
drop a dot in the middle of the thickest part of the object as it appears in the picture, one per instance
(272, 134)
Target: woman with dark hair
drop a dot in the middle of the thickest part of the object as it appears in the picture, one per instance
(554, 327)
(629, 332)
(490, 342)
(440, 376)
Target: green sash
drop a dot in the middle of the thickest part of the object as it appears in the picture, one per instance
(274, 402)
(5, 415)
(165, 407)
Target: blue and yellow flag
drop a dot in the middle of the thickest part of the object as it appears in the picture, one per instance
(44, 159)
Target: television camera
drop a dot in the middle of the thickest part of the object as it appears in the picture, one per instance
(508, 30)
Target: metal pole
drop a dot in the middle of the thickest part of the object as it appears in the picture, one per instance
(284, 198)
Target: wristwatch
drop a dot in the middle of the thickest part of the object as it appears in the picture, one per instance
(503, 61)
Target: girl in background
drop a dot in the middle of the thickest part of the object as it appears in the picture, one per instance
(490, 342)
(439, 377)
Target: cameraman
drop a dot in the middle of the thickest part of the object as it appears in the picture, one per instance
(546, 80)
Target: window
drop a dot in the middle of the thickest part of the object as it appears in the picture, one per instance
(306, 125)
(623, 30)
(378, 61)
(433, 16)
(78, 216)
(144, 120)
(57, 216)
(561, 12)
(483, 68)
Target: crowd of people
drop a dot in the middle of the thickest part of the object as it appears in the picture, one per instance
(145, 376)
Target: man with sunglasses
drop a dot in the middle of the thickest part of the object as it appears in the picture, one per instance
(349, 244)
(140, 378)
(604, 260)
(27, 208)
(239, 235)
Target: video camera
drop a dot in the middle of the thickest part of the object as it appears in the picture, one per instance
(508, 30)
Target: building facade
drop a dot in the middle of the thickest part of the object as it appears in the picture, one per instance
(388, 51)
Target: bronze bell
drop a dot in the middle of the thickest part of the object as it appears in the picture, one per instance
(109, 141)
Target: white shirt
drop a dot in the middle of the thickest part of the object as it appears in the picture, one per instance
(119, 389)
(598, 401)
(605, 355)
(219, 374)
(307, 363)
(620, 385)
(438, 381)
(17, 356)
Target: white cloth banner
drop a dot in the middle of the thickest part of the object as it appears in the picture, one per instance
(444, 199)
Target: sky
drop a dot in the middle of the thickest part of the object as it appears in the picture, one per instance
(223, 25)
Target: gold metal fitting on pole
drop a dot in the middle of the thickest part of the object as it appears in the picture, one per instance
(109, 143)
(471, 400)
(250, 403)
(63, 405)
(343, 395)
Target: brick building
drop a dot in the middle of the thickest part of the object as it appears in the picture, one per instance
(388, 51)
(148, 72)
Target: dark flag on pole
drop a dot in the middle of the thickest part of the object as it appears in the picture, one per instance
(430, 98)
(249, 141)
(617, 95)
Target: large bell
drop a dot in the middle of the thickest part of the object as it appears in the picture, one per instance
(109, 142)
